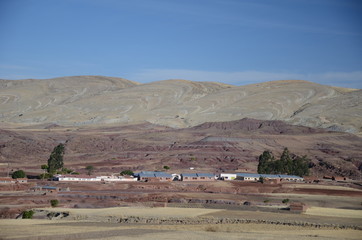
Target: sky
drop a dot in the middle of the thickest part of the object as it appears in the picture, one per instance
(237, 42)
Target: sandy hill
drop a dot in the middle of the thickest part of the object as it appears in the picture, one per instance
(96, 100)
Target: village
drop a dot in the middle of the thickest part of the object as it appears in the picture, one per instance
(158, 176)
(155, 176)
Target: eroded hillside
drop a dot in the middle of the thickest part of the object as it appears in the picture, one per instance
(94, 100)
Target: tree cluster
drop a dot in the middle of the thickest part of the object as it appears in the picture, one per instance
(287, 164)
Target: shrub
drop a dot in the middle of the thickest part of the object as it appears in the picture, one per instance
(54, 202)
(45, 176)
(28, 214)
(166, 167)
(285, 200)
(89, 169)
(18, 174)
(127, 172)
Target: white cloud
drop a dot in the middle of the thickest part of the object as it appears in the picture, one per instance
(342, 79)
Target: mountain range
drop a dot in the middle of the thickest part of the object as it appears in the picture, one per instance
(100, 101)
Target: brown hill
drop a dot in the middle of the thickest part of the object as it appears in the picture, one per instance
(210, 147)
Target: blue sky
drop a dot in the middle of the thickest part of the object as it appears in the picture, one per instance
(232, 41)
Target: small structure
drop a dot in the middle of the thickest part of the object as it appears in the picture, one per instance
(227, 176)
(311, 179)
(149, 176)
(197, 177)
(339, 178)
(248, 176)
(298, 207)
(7, 180)
(272, 181)
(127, 179)
(46, 189)
(291, 178)
(21, 180)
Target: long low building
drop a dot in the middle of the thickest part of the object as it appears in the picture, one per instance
(188, 177)
(150, 176)
(87, 178)
(257, 176)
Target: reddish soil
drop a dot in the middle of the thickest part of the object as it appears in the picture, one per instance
(14, 200)
(210, 147)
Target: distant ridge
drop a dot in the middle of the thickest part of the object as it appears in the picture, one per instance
(98, 100)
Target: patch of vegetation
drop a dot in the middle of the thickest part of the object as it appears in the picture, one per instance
(45, 176)
(287, 164)
(166, 167)
(55, 161)
(44, 167)
(127, 172)
(54, 202)
(285, 201)
(28, 214)
(18, 174)
(261, 179)
(89, 169)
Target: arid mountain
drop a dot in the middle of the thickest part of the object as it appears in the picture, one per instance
(95, 101)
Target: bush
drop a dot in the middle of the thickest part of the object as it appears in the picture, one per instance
(127, 172)
(54, 202)
(89, 169)
(45, 176)
(166, 167)
(285, 200)
(28, 214)
(18, 174)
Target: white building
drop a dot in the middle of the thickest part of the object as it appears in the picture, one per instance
(227, 176)
(86, 178)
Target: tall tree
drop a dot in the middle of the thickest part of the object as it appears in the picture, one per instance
(55, 160)
(285, 162)
(265, 160)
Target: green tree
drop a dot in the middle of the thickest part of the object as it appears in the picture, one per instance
(55, 160)
(18, 174)
(89, 169)
(54, 202)
(265, 160)
(44, 167)
(28, 214)
(300, 166)
(285, 162)
(166, 167)
(127, 172)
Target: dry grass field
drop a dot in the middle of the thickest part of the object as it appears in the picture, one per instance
(71, 229)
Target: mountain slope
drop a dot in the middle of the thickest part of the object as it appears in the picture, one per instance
(89, 100)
